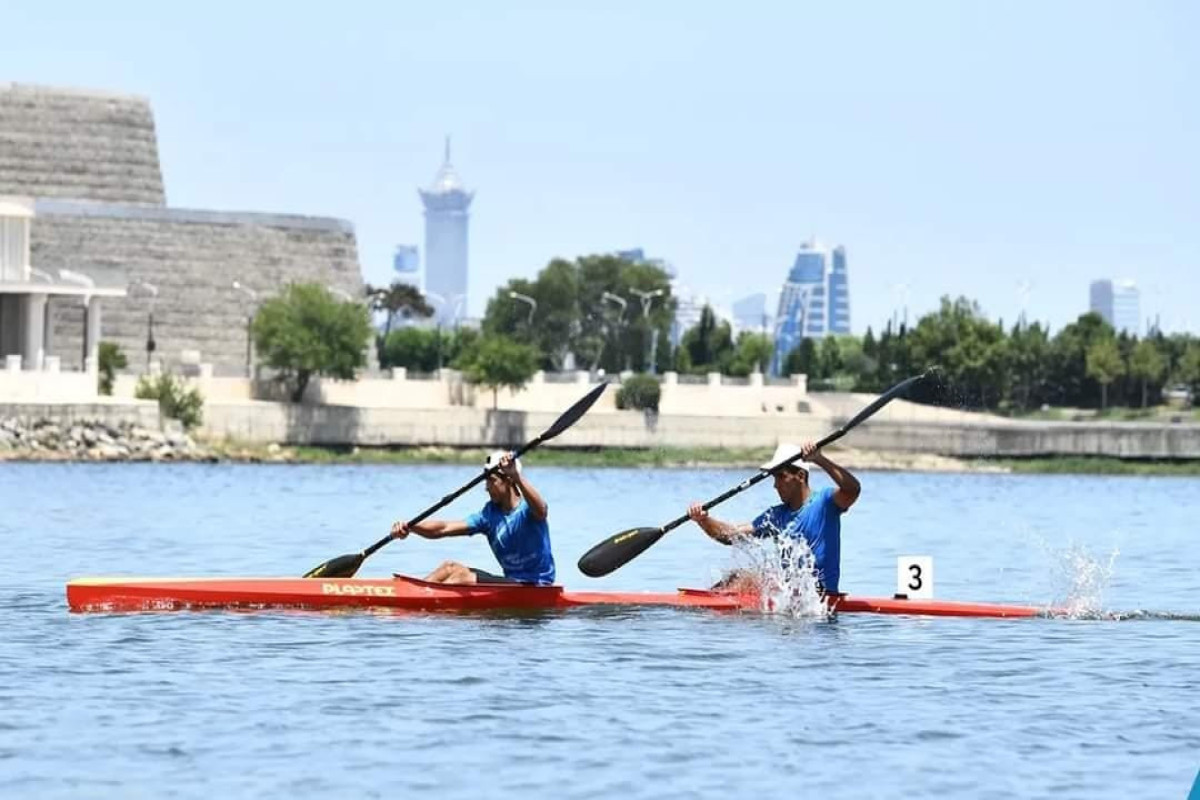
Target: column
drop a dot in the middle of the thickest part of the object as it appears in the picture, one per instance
(91, 337)
(35, 329)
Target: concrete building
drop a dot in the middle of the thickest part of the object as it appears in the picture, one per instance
(1119, 302)
(447, 277)
(91, 206)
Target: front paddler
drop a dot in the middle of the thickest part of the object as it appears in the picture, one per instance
(514, 521)
(812, 516)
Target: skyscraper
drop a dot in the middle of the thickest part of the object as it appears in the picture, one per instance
(814, 301)
(839, 293)
(446, 216)
(1118, 302)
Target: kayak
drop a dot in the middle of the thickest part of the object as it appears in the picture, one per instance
(401, 592)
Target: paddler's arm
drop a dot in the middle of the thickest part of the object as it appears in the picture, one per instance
(848, 486)
(431, 528)
(723, 532)
(537, 505)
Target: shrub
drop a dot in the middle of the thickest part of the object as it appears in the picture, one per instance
(639, 392)
(111, 360)
(175, 399)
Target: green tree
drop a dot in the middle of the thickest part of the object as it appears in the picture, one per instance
(707, 345)
(1147, 364)
(111, 360)
(398, 300)
(1029, 365)
(1188, 371)
(412, 348)
(802, 359)
(1104, 365)
(751, 353)
(306, 331)
(969, 348)
(1068, 359)
(497, 361)
(175, 399)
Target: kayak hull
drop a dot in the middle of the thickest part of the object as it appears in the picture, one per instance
(163, 594)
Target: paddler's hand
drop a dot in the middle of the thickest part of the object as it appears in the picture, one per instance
(508, 467)
(810, 452)
(400, 530)
(697, 513)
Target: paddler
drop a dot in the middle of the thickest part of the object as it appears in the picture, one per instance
(812, 516)
(514, 521)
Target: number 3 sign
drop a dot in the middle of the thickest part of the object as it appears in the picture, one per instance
(914, 577)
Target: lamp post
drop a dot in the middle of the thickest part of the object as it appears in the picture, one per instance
(623, 303)
(524, 298)
(253, 295)
(441, 301)
(150, 291)
(647, 299)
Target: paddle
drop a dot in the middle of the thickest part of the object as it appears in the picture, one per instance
(345, 566)
(621, 548)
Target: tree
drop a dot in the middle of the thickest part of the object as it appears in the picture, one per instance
(1104, 365)
(752, 353)
(1147, 364)
(707, 345)
(412, 348)
(497, 361)
(969, 348)
(802, 360)
(1029, 363)
(1068, 358)
(1188, 371)
(306, 331)
(399, 299)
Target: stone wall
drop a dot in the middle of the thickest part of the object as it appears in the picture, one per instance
(78, 144)
(192, 258)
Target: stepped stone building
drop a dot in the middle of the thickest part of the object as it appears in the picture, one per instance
(85, 224)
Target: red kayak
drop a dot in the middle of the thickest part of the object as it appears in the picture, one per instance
(162, 594)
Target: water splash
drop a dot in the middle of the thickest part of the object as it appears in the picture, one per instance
(1080, 580)
(784, 571)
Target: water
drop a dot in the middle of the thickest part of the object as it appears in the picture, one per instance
(633, 703)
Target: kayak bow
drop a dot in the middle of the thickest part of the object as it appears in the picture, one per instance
(400, 592)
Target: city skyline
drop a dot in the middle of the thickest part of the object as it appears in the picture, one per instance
(953, 165)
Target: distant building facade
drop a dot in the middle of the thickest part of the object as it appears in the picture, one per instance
(750, 314)
(814, 300)
(407, 264)
(1119, 302)
(447, 204)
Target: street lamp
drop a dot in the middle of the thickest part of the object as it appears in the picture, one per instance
(524, 298)
(150, 291)
(85, 281)
(647, 299)
(253, 295)
(623, 303)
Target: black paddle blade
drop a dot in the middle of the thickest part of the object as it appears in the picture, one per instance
(340, 567)
(618, 550)
(572, 414)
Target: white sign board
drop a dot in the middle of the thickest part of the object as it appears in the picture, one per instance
(914, 577)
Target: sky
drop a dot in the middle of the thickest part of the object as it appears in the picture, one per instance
(1009, 152)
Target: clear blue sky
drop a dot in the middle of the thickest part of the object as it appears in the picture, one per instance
(953, 147)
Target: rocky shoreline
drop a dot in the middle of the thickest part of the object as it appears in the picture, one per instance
(47, 440)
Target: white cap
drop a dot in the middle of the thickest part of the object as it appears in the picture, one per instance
(494, 457)
(784, 453)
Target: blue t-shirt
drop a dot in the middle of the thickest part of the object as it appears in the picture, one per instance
(520, 542)
(819, 523)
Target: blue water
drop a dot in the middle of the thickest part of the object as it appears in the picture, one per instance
(633, 703)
